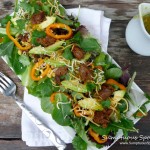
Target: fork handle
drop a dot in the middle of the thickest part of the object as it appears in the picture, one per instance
(49, 133)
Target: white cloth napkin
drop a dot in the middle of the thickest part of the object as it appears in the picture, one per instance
(98, 25)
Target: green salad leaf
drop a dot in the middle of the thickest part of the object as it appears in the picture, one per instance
(14, 61)
(114, 73)
(5, 20)
(62, 110)
(42, 89)
(79, 143)
(6, 49)
(35, 35)
(67, 53)
(46, 105)
(24, 60)
(90, 44)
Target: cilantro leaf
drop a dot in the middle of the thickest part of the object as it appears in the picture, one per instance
(35, 35)
(21, 24)
(124, 124)
(26, 6)
(24, 59)
(6, 49)
(79, 144)
(62, 109)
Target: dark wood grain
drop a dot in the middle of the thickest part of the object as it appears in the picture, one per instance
(120, 11)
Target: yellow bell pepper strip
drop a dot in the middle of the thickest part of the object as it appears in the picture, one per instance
(14, 40)
(43, 73)
(96, 137)
(114, 82)
(50, 32)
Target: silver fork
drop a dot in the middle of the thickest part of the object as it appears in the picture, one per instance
(8, 88)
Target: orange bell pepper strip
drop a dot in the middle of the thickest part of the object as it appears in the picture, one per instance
(14, 40)
(96, 137)
(1, 40)
(50, 32)
(44, 72)
(114, 82)
(80, 113)
(52, 97)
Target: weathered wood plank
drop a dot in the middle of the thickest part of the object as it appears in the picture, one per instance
(19, 145)
(116, 10)
(120, 11)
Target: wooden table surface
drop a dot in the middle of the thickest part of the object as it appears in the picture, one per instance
(120, 11)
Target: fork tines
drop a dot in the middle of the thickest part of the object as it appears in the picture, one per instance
(5, 82)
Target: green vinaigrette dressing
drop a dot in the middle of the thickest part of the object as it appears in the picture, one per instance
(146, 20)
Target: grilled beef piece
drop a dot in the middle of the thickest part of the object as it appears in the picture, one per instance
(60, 72)
(85, 73)
(23, 38)
(105, 92)
(46, 41)
(38, 18)
(102, 117)
(57, 80)
(78, 53)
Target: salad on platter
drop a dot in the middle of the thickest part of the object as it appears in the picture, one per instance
(59, 62)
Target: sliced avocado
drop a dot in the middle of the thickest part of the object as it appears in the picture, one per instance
(118, 95)
(90, 103)
(74, 85)
(55, 63)
(48, 50)
(47, 22)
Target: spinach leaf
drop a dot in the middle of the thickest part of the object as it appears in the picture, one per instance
(6, 49)
(77, 38)
(90, 44)
(37, 34)
(46, 105)
(79, 143)
(67, 53)
(14, 61)
(114, 73)
(62, 110)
